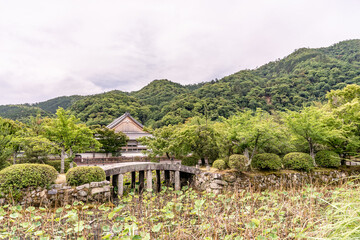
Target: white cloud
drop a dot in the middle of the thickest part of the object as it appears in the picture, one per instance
(53, 48)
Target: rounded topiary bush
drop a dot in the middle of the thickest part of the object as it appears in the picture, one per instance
(57, 164)
(266, 161)
(81, 175)
(190, 161)
(219, 164)
(238, 162)
(298, 161)
(20, 176)
(328, 159)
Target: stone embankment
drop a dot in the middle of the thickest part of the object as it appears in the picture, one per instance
(216, 182)
(61, 194)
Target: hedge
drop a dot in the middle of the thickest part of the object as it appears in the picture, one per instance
(57, 165)
(266, 161)
(190, 161)
(328, 159)
(20, 176)
(238, 162)
(298, 161)
(219, 164)
(81, 175)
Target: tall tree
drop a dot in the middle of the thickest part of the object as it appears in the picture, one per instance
(198, 137)
(249, 132)
(162, 142)
(110, 140)
(70, 135)
(309, 125)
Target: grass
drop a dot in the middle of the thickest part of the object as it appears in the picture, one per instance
(312, 212)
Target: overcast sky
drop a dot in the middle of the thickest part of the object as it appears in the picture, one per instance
(53, 48)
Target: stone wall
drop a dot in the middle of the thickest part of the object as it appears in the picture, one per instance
(216, 182)
(61, 194)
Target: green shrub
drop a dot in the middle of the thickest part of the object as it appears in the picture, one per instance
(298, 161)
(219, 164)
(266, 161)
(19, 176)
(82, 175)
(190, 161)
(57, 164)
(238, 162)
(328, 159)
(5, 164)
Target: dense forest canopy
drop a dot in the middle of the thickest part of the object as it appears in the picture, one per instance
(299, 79)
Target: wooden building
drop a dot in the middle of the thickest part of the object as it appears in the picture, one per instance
(134, 130)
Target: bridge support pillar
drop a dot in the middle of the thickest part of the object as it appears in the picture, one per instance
(120, 185)
(114, 183)
(177, 181)
(133, 180)
(167, 177)
(141, 181)
(158, 181)
(149, 180)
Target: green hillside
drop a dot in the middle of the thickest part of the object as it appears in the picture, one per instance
(21, 112)
(305, 76)
(104, 108)
(53, 104)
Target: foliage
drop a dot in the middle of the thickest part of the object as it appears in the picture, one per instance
(238, 162)
(82, 175)
(162, 142)
(249, 131)
(19, 176)
(305, 213)
(53, 104)
(110, 140)
(57, 165)
(298, 161)
(311, 125)
(328, 159)
(219, 164)
(190, 161)
(5, 142)
(102, 109)
(69, 135)
(197, 137)
(266, 161)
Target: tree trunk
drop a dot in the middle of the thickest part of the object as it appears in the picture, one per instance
(247, 155)
(14, 161)
(62, 168)
(312, 152)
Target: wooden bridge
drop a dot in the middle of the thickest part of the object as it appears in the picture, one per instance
(118, 170)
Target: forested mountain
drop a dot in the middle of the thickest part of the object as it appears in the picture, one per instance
(304, 76)
(21, 112)
(53, 104)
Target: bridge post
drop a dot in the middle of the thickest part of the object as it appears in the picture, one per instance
(167, 178)
(177, 181)
(158, 181)
(133, 180)
(114, 183)
(120, 185)
(141, 181)
(149, 180)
